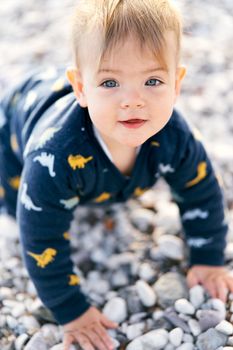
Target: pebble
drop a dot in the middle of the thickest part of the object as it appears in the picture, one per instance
(37, 342)
(184, 306)
(30, 323)
(186, 346)
(208, 318)
(188, 338)
(175, 320)
(143, 219)
(176, 336)
(197, 296)
(21, 341)
(172, 247)
(107, 251)
(230, 341)
(225, 327)
(218, 305)
(146, 293)
(194, 327)
(146, 272)
(61, 347)
(211, 340)
(170, 287)
(135, 330)
(116, 310)
(156, 340)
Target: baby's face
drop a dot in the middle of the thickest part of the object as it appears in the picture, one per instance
(131, 97)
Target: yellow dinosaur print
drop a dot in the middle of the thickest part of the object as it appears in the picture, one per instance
(103, 197)
(14, 143)
(58, 85)
(155, 143)
(2, 192)
(15, 182)
(45, 258)
(201, 174)
(66, 236)
(74, 280)
(78, 161)
(139, 191)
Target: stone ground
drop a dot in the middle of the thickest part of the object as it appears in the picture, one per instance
(36, 33)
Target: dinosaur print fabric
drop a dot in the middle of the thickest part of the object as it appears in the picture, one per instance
(51, 162)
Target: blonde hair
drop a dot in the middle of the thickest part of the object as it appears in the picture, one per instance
(105, 23)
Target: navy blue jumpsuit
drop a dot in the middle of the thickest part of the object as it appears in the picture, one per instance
(51, 161)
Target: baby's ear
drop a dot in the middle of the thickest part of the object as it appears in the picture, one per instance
(180, 74)
(75, 79)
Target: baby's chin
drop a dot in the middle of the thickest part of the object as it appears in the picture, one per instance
(137, 142)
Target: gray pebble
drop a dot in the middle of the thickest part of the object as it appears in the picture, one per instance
(208, 318)
(170, 287)
(211, 340)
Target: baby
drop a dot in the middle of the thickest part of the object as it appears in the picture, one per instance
(103, 137)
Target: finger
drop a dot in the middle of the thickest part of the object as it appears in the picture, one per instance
(67, 341)
(101, 331)
(97, 341)
(191, 279)
(108, 323)
(210, 286)
(222, 290)
(84, 342)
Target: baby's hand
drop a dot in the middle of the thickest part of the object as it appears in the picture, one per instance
(217, 280)
(89, 331)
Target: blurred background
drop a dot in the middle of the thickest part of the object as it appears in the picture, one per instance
(35, 33)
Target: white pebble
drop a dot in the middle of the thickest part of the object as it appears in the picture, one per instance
(230, 341)
(30, 323)
(61, 347)
(20, 341)
(169, 346)
(175, 336)
(135, 330)
(225, 327)
(184, 306)
(171, 247)
(116, 310)
(218, 305)
(194, 327)
(186, 346)
(36, 342)
(146, 272)
(145, 293)
(157, 315)
(156, 340)
(197, 296)
(188, 338)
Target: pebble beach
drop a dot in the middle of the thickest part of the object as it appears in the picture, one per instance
(133, 261)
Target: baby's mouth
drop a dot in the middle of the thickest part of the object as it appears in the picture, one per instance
(133, 123)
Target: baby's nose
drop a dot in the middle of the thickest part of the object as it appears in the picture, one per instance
(132, 100)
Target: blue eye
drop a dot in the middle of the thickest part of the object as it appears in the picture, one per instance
(109, 84)
(153, 82)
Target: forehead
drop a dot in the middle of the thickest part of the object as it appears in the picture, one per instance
(131, 51)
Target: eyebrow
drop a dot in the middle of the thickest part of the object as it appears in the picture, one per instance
(117, 71)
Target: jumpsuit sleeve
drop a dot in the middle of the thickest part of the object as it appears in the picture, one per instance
(196, 191)
(45, 204)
